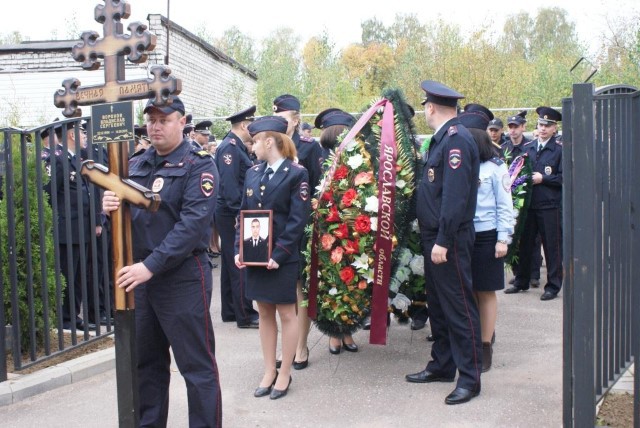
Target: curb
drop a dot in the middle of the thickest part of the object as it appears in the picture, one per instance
(14, 390)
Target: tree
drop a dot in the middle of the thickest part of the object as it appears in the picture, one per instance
(374, 31)
(12, 38)
(238, 46)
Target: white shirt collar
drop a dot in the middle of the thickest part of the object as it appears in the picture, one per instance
(276, 165)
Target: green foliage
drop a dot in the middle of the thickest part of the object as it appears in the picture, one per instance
(41, 285)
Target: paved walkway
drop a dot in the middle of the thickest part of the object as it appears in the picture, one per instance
(366, 389)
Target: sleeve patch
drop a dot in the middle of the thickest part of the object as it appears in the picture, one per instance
(506, 183)
(227, 158)
(304, 191)
(455, 158)
(207, 184)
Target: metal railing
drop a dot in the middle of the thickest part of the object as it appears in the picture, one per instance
(52, 219)
(601, 192)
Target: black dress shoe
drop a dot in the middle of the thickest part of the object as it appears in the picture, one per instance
(334, 351)
(425, 376)
(430, 338)
(514, 290)
(262, 391)
(252, 324)
(277, 393)
(79, 325)
(487, 356)
(535, 283)
(512, 280)
(460, 395)
(548, 295)
(351, 347)
(418, 324)
(367, 324)
(299, 365)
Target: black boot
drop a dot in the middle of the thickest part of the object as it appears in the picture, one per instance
(487, 354)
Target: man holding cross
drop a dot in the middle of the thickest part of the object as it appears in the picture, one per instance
(171, 274)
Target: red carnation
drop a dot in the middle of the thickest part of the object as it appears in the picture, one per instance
(342, 231)
(327, 196)
(347, 274)
(352, 247)
(333, 216)
(341, 172)
(363, 224)
(348, 197)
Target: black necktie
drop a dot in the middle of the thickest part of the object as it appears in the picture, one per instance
(540, 146)
(265, 177)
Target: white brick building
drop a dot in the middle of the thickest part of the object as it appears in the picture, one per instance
(31, 72)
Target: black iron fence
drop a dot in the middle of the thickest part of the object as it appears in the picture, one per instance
(54, 245)
(601, 167)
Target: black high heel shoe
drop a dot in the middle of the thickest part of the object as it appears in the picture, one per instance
(334, 351)
(276, 393)
(299, 365)
(261, 391)
(351, 347)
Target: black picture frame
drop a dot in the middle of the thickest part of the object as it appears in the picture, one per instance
(256, 250)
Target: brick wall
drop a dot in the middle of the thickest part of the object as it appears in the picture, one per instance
(212, 83)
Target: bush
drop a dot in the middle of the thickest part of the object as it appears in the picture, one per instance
(41, 286)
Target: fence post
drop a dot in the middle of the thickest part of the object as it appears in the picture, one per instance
(580, 257)
(635, 223)
(3, 350)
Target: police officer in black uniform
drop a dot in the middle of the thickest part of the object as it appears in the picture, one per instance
(232, 160)
(544, 215)
(171, 274)
(495, 132)
(446, 204)
(514, 147)
(202, 133)
(326, 119)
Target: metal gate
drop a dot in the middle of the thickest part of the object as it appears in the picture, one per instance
(601, 192)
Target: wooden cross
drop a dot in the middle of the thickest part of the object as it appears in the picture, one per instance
(112, 48)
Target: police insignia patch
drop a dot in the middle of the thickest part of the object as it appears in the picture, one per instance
(207, 184)
(506, 183)
(455, 158)
(304, 191)
(431, 174)
(227, 159)
(547, 170)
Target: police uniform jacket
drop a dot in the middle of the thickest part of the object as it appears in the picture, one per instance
(309, 156)
(232, 160)
(287, 194)
(448, 190)
(548, 162)
(187, 181)
(494, 208)
(67, 171)
(514, 151)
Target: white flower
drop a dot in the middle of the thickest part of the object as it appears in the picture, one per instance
(355, 161)
(415, 226)
(403, 274)
(368, 275)
(394, 285)
(333, 291)
(374, 223)
(404, 257)
(400, 184)
(371, 204)
(417, 265)
(401, 302)
(351, 145)
(361, 262)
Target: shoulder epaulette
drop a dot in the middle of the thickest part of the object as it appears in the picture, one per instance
(306, 139)
(496, 160)
(202, 153)
(559, 142)
(138, 153)
(528, 143)
(297, 165)
(453, 130)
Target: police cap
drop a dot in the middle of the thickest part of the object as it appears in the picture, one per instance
(203, 127)
(495, 124)
(333, 116)
(286, 102)
(548, 115)
(268, 123)
(518, 119)
(476, 116)
(306, 126)
(440, 94)
(246, 114)
(175, 105)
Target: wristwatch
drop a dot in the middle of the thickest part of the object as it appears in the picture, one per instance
(502, 241)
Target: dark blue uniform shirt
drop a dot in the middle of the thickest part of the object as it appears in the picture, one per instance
(548, 162)
(448, 191)
(187, 181)
(233, 161)
(310, 156)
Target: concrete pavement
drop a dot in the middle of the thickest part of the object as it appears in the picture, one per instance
(365, 389)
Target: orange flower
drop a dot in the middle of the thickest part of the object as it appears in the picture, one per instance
(336, 255)
(363, 178)
(327, 241)
(362, 285)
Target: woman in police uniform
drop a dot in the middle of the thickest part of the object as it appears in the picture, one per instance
(281, 185)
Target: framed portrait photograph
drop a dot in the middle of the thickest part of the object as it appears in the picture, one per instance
(256, 228)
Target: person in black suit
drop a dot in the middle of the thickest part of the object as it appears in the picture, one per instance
(255, 249)
(281, 185)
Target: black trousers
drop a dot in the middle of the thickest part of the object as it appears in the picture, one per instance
(536, 262)
(453, 313)
(234, 305)
(172, 310)
(71, 272)
(548, 224)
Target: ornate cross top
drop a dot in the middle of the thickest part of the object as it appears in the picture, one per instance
(113, 47)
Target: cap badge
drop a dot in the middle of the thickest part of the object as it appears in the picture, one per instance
(547, 170)
(431, 175)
